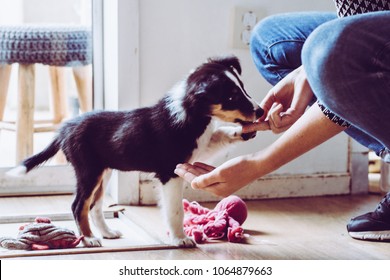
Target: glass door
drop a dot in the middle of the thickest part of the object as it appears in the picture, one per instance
(45, 78)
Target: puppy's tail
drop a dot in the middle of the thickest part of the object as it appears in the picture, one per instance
(35, 160)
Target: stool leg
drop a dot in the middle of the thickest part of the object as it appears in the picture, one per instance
(58, 91)
(83, 78)
(25, 117)
(5, 73)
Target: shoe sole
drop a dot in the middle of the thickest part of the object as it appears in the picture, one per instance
(371, 235)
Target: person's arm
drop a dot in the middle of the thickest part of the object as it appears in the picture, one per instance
(312, 129)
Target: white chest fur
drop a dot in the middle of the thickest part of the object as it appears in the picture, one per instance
(200, 153)
(217, 137)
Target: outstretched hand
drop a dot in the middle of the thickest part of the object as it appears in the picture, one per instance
(189, 172)
(220, 181)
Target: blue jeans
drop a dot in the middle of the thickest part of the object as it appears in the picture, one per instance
(347, 61)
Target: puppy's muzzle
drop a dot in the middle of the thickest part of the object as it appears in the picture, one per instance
(258, 113)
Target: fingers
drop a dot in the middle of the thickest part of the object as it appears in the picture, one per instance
(191, 171)
(205, 180)
(267, 103)
(204, 166)
(280, 121)
(185, 172)
(274, 117)
(199, 174)
(188, 171)
(203, 177)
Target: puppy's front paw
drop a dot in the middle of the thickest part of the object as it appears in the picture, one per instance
(227, 134)
(112, 234)
(234, 133)
(92, 242)
(248, 136)
(185, 242)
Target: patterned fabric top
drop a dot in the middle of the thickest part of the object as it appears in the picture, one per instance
(353, 7)
(332, 116)
(50, 45)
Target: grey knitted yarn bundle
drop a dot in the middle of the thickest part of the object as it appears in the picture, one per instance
(41, 235)
(50, 45)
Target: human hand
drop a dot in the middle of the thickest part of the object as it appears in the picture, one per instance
(221, 181)
(286, 102)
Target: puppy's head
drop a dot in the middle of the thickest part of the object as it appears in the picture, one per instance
(217, 83)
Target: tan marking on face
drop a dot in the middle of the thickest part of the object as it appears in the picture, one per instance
(230, 115)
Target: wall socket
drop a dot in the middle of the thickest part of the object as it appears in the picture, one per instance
(245, 19)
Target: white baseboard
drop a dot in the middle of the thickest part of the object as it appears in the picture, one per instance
(62, 180)
(281, 186)
(47, 180)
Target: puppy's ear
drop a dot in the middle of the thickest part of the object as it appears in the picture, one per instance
(228, 61)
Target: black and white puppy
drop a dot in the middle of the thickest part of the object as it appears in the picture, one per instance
(179, 128)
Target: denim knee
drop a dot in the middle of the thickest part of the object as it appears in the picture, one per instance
(277, 42)
(346, 66)
(259, 48)
(322, 59)
(337, 55)
(274, 53)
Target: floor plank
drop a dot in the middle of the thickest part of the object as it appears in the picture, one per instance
(288, 229)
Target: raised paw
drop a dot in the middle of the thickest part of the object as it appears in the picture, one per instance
(234, 132)
(227, 134)
(92, 242)
(112, 234)
(248, 136)
(184, 242)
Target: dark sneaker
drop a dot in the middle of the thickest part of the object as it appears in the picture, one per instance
(373, 225)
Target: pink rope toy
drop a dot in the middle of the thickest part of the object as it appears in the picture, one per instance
(224, 221)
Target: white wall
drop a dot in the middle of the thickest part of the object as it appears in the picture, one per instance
(11, 11)
(52, 11)
(177, 35)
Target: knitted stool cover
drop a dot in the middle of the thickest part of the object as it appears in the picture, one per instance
(50, 45)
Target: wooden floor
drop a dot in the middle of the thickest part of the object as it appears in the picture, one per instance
(288, 229)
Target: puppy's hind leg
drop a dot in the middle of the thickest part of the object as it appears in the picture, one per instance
(97, 209)
(171, 199)
(87, 185)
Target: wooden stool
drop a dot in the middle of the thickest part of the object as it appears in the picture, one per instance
(57, 47)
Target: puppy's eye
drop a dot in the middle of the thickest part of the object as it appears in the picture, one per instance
(232, 97)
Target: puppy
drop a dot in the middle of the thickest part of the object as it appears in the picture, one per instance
(179, 128)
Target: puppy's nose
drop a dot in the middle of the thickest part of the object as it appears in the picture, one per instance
(259, 112)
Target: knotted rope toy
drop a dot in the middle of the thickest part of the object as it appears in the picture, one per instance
(41, 235)
(224, 221)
